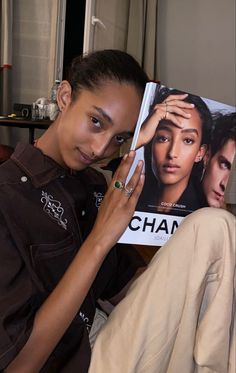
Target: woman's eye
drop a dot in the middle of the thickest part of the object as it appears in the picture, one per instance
(95, 122)
(188, 141)
(161, 139)
(120, 139)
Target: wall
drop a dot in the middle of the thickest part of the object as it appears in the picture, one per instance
(196, 43)
(197, 47)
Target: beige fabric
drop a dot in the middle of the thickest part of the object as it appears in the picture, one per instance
(100, 319)
(179, 316)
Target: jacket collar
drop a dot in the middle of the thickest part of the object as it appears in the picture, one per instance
(40, 168)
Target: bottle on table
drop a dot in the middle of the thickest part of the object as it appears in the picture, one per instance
(54, 89)
(53, 107)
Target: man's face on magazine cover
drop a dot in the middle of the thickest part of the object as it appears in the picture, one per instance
(176, 148)
(217, 174)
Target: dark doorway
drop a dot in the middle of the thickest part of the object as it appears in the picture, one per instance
(74, 31)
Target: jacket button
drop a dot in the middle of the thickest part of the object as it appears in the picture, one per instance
(23, 179)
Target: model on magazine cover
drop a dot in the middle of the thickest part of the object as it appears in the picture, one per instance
(174, 159)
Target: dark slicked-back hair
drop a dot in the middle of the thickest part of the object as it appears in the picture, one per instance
(92, 70)
(224, 129)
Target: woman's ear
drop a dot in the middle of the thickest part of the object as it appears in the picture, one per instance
(201, 153)
(64, 95)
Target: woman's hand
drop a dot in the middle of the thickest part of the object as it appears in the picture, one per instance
(170, 109)
(118, 205)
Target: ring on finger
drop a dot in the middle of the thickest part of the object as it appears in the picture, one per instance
(128, 191)
(118, 184)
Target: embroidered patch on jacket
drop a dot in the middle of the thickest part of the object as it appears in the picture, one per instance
(85, 320)
(98, 198)
(54, 209)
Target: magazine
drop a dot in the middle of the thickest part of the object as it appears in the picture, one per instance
(187, 163)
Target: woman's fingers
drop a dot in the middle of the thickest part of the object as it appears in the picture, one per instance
(177, 111)
(132, 188)
(119, 184)
(137, 190)
(119, 203)
(176, 97)
(175, 106)
(124, 168)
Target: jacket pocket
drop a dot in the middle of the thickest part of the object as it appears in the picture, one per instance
(50, 261)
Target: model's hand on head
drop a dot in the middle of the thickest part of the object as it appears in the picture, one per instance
(118, 205)
(171, 109)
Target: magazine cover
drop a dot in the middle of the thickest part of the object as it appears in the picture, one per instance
(187, 162)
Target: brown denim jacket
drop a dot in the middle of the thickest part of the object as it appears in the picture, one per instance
(45, 214)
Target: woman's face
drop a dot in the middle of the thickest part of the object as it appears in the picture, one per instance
(176, 148)
(96, 124)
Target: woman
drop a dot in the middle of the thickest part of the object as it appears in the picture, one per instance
(57, 258)
(174, 159)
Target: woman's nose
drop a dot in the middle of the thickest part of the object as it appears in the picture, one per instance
(173, 150)
(99, 147)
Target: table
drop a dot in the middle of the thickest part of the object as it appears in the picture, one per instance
(25, 123)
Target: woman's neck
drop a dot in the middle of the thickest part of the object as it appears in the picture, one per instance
(170, 194)
(48, 144)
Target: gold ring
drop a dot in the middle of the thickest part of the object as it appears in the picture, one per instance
(119, 184)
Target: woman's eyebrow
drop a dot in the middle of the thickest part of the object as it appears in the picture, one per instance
(108, 118)
(167, 127)
(103, 114)
(127, 133)
(190, 130)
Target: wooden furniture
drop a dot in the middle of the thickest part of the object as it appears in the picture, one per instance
(5, 152)
(25, 123)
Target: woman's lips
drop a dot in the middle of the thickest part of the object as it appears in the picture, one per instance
(170, 168)
(85, 158)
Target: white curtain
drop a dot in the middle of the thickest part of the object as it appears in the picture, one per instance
(6, 24)
(142, 34)
(29, 32)
(34, 43)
